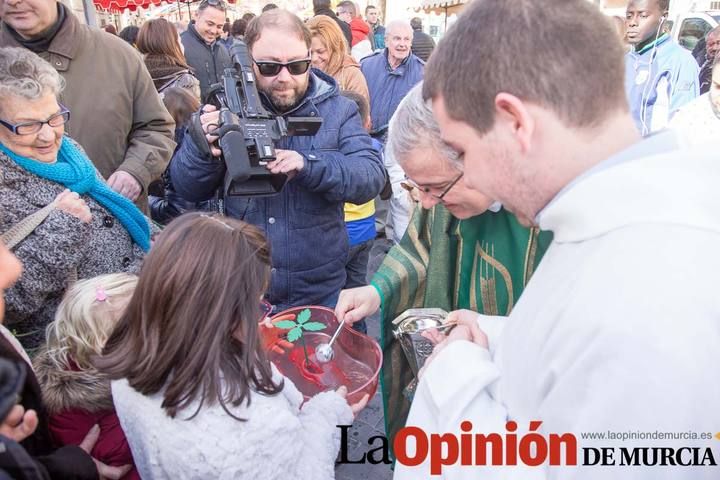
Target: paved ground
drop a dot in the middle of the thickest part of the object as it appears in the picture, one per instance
(369, 422)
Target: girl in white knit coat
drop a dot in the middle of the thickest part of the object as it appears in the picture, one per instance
(195, 393)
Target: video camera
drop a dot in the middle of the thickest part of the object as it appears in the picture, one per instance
(247, 131)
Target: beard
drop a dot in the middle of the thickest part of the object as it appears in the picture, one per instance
(281, 96)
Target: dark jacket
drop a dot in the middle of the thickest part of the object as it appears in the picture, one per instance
(388, 87)
(378, 36)
(117, 115)
(17, 464)
(345, 27)
(705, 76)
(207, 61)
(166, 74)
(304, 223)
(69, 462)
(422, 45)
(168, 205)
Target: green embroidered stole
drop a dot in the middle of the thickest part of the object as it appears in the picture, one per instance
(482, 263)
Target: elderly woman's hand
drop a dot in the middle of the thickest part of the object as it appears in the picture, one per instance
(70, 202)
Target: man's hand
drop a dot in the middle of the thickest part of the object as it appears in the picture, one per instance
(105, 471)
(457, 317)
(19, 424)
(355, 304)
(286, 161)
(210, 121)
(469, 332)
(125, 184)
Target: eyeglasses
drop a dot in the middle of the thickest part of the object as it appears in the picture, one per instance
(219, 4)
(28, 128)
(272, 69)
(410, 185)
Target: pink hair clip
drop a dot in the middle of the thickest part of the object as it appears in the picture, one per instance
(100, 294)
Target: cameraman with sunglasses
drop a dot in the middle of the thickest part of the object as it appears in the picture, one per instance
(304, 222)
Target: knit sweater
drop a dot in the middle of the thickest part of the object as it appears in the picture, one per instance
(278, 440)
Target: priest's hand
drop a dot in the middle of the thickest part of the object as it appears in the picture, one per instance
(354, 304)
(470, 333)
(457, 317)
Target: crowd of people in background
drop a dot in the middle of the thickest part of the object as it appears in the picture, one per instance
(113, 201)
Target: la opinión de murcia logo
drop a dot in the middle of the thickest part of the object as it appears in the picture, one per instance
(531, 449)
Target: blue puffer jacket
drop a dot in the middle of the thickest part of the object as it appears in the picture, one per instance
(304, 223)
(388, 87)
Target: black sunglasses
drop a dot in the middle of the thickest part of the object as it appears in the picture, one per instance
(271, 69)
(219, 4)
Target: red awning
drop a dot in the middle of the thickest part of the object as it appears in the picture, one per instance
(120, 5)
(132, 5)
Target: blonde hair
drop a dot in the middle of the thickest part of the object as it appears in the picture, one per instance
(86, 317)
(332, 37)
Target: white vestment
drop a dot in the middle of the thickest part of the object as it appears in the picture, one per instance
(618, 330)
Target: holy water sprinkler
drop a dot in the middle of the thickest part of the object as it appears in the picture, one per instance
(324, 352)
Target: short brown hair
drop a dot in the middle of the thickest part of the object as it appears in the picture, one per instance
(349, 6)
(158, 37)
(276, 18)
(560, 54)
(330, 34)
(238, 27)
(190, 329)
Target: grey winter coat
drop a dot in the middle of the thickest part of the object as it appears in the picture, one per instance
(60, 245)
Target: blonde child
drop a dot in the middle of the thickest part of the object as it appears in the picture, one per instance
(77, 396)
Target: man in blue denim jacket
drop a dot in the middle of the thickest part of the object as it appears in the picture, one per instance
(304, 223)
(391, 73)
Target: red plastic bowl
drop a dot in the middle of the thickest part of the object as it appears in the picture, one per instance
(358, 347)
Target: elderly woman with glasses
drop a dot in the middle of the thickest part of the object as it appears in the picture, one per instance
(57, 213)
(461, 251)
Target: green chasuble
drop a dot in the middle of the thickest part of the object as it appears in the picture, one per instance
(482, 264)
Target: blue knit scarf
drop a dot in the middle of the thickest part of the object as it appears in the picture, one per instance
(74, 170)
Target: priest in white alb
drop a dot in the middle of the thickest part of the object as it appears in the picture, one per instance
(618, 331)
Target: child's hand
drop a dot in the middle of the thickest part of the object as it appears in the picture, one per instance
(355, 407)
